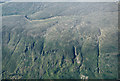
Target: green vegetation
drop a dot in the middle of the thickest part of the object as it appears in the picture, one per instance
(59, 41)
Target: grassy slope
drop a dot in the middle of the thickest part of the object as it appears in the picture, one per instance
(61, 45)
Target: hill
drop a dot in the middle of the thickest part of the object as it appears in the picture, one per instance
(59, 40)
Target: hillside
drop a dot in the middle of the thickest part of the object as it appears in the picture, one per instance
(59, 41)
